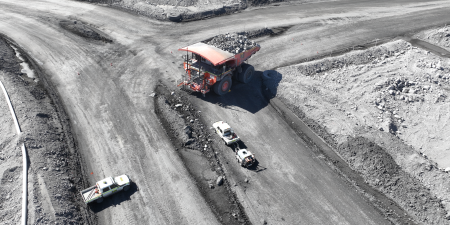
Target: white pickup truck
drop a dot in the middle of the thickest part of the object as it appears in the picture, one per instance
(105, 188)
(245, 158)
(225, 132)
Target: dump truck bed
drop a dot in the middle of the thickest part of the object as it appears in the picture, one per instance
(217, 56)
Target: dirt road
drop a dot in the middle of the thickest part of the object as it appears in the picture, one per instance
(106, 86)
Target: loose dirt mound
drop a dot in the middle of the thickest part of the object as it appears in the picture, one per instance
(54, 174)
(84, 30)
(439, 37)
(233, 43)
(186, 10)
(177, 11)
(393, 95)
(381, 171)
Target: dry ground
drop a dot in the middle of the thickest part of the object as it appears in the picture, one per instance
(394, 95)
(105, 89)
(439, 36)
(54, 170)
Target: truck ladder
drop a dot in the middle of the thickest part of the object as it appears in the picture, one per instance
(91, 194)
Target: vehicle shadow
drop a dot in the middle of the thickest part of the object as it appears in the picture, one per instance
(240, 145)
(114, 200)
(256, 167)
(251, 97)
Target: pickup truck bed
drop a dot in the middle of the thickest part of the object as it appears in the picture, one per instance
(89, 194)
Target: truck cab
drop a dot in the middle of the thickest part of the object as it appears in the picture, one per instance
(109, 186)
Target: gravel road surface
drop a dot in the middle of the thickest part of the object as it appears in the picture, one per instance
(105, 89)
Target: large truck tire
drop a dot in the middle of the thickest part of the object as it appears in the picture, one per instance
(223, 86)
(247, 73)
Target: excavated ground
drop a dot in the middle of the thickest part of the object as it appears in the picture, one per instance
(383, 110)
(54, 173)
(195, 144)
(189, 10)
(437, 36)
(323, 97)
(85, 30)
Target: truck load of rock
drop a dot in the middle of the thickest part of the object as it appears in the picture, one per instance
(233, 42)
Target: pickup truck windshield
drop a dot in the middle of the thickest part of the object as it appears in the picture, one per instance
(227, 133)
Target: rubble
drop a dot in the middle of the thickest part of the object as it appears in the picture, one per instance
(233, 43)
(189, 136)
(401, 98)
(440, 37)
(219, 181)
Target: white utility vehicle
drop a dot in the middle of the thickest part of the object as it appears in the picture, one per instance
(225, 132)
(245, 158)
(105, 188)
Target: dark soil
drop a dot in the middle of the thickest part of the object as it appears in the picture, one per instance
(55, 169)
(381, 171)
(402, 198)
(194, 142)
(84, 30)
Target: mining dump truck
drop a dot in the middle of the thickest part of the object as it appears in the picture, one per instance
(212, 64)
(105, 188)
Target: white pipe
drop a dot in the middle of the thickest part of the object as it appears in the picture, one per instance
(24, 155)
(24, 186)
(11, 108)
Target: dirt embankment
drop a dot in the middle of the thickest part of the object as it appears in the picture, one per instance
(85, 30)
(189, 10)
(439, 37)
(195, 145)
(394, 96)
(177, 11)
(54, 174)
(380, 170)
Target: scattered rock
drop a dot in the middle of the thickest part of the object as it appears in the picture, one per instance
(219, 181)
(232, 43)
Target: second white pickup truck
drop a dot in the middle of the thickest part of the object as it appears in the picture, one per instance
(225, 132)
(105, 188)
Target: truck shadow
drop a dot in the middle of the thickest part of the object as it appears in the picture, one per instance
(256, 167)
(114, 200)
(239, 144)
(251, 97)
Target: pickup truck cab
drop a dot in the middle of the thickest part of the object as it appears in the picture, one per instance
(245, 158)
(105, 188)
(225, 132)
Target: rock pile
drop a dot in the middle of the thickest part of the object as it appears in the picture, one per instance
(233, 43)
(257, 33)
(439, 37)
